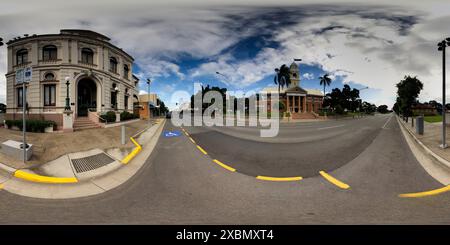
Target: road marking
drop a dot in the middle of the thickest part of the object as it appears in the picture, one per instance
(186, 134)
(193, 141)
(201, 149)
(337, 126)
(279, 178)
(387, 121)
(334, 181)
(223, 165)
(427, 193)
(1, 186)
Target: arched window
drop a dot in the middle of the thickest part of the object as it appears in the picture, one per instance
(87, 56)
(126, 71)
(21, 57)
(49, 52)
(113, 64)
(49, 77)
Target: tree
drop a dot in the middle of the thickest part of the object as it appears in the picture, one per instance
(282, 78)
(347, 98)
(408, 90)
(382, 109)
(325, 81)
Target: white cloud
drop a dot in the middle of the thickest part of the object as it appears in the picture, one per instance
(308, 76)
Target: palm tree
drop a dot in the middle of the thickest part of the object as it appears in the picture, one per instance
(282, 78)
(325, 81)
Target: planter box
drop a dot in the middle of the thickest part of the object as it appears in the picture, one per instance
(48, 129)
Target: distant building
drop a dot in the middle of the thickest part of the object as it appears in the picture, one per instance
(100, 75)
(298, 101)
(147, 101)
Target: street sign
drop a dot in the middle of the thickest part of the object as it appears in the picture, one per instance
(19, 76)
(24, 75)
(170, 134)
(27, 74)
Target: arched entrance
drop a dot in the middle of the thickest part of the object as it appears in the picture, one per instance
(87, 96)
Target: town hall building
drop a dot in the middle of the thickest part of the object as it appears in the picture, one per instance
(301, 103)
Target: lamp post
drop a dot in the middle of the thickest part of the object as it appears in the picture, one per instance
(360, 102)
(148, 97)
(441, 47)
(67, 107)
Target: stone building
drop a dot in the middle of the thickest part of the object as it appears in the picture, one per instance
(99, 75)
(300, 102)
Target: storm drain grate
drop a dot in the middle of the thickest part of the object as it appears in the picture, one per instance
(91, 162)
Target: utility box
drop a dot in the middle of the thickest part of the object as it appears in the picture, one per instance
(14, 149)
(419, 125)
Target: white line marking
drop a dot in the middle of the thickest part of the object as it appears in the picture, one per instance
(337, 126)
(387, 121)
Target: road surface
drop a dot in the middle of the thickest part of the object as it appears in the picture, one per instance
(181, 185)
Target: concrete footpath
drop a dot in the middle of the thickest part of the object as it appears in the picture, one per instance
(84, 173)
(435, 160)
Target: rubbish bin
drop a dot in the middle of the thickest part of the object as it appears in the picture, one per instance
(419, 125)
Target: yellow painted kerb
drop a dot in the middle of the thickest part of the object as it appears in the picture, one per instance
(334, 181)
(43, 179)
(201, 149)
(427, 193)
(279, 178)
(133, 154)
(223, 165)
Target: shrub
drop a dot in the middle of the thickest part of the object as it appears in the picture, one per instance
(109, 116)
(31, 125)
(125, 115)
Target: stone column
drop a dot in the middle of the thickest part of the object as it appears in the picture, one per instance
(287, 103)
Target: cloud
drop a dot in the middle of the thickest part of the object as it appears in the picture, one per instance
(372, 45)
(308, 76)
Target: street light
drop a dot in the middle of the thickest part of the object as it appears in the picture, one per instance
(441, 47)
(67, 107)
(1, 41)
(148, 97)
(360, 101)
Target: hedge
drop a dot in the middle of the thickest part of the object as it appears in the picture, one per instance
(31, 125)
(125, 115)
(109, 116)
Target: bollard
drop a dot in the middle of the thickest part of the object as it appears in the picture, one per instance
(123, 134)
(419, 125)
(412, 122)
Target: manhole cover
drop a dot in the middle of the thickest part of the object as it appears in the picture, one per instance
(91, 162)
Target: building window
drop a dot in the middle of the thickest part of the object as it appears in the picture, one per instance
(113, 65)
(87, 56)
(49, 52)
(126, 102)
(49, 77)
(50, 95)
(21, 57)
(20, 97)
(113, 100)
(126, 71)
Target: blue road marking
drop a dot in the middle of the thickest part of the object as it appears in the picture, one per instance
(169, 134)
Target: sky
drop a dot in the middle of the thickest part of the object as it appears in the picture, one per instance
(178, 43)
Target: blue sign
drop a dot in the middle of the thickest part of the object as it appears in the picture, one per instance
(170, 134)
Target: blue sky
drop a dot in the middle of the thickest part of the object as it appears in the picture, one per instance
(177, 43)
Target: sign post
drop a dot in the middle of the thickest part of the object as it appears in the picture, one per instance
(24, 76)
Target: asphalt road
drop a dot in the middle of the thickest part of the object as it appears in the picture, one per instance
(181, 185)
